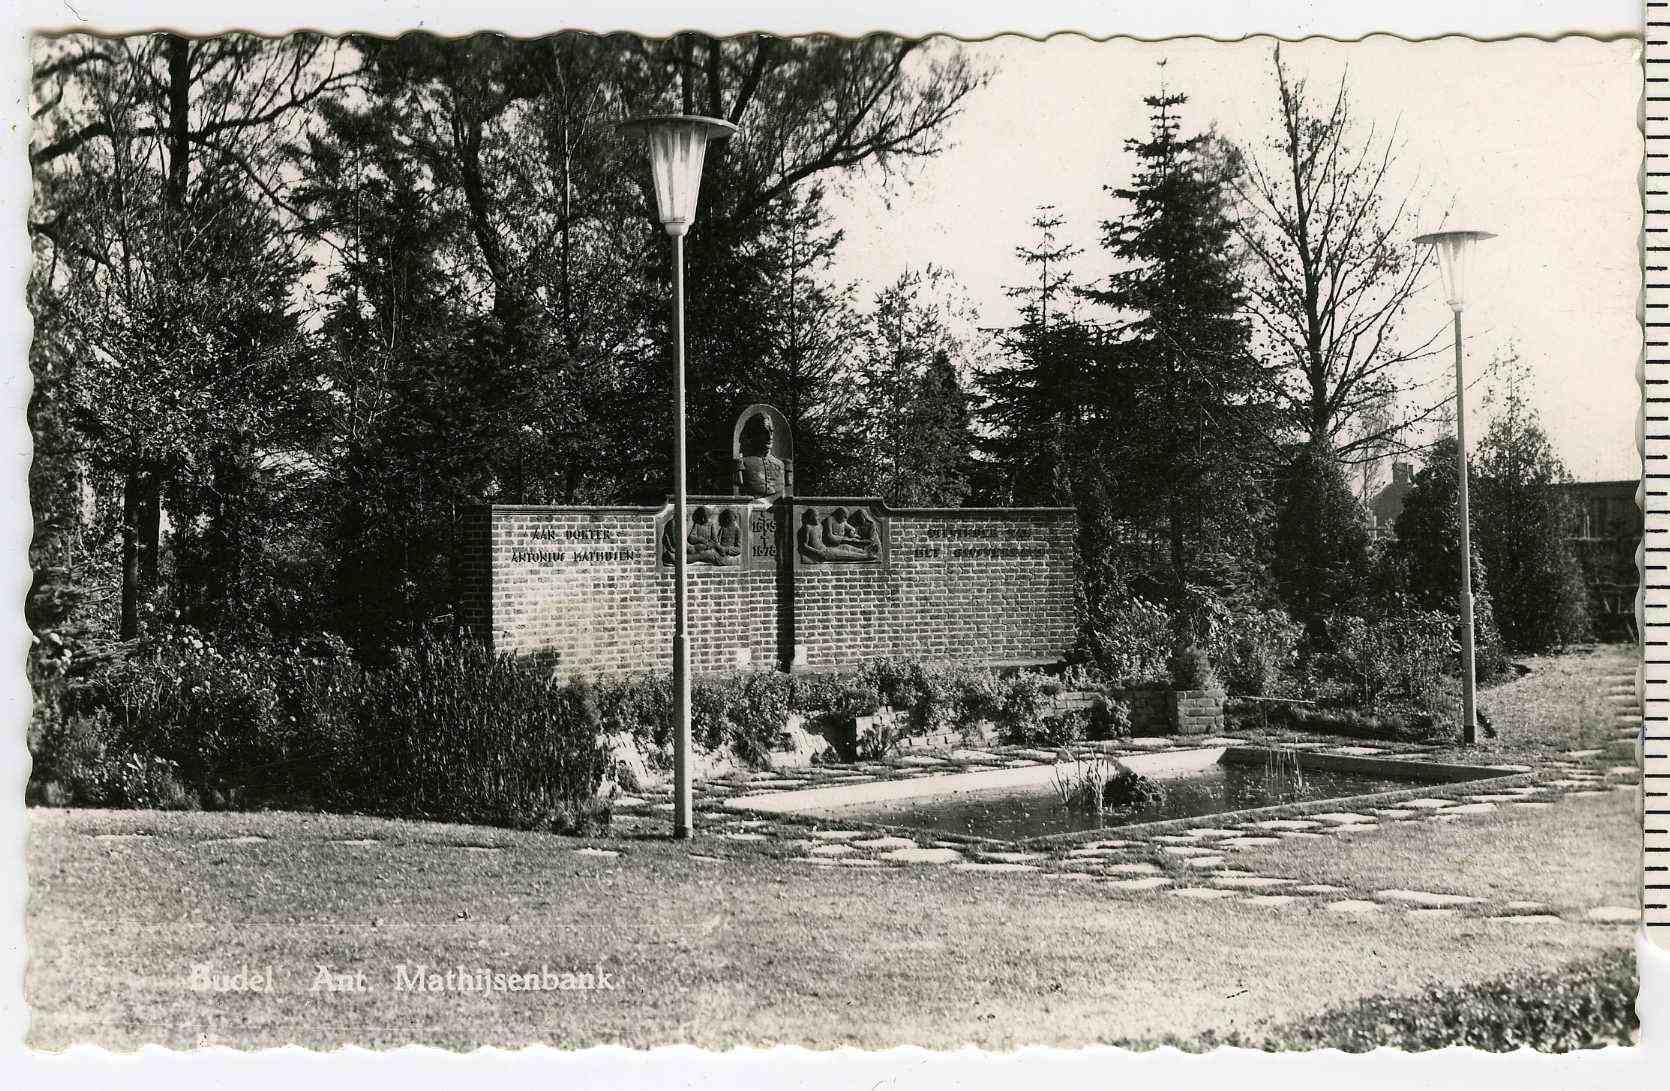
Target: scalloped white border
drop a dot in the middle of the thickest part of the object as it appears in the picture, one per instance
(684, 1066)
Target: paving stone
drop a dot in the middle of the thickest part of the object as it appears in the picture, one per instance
(1526, 918)
(1525, 804)
(833, 850)
(1204, 893)
(1212, 832)
(1106, 844)
(1072, 876)
(1318, 888)
(1352, 905)
(1493, 797)
(1357, 827)
(1173, 838)
(1573, 753)
(1012, 857)
(1248, 842)
(1427, 804)
(1343, 818)
(923, 856)
(970, 865)
(1250, 882)
(1203, 861)
(1269, 901)
(1473, 808)
(927, 759)
(1186, 850)
(1619, 914)
(1132, 869)
(1287, 823)
(745, 835)
(858, 861)
(884, 843)
(1153, 882)
(843, 835)
(589, 851)
(1425, 898)
(1360, 750)
(709, 859)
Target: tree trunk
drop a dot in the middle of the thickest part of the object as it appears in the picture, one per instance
(130, 556)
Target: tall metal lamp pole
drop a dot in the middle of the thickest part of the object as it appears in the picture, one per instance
(1454, 248)
(677, 148)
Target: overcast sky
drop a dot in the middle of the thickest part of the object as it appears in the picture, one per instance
(1536, 141)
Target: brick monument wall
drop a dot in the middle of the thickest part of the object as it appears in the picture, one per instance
(587, 589)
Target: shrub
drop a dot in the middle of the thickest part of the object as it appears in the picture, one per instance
(1403, 659)
(760, 716)
(1021, 713)
(1255, 651)
(1128, 640)
(640, 706)
(1190, 668)
(1110, 718)
(1583, 1005)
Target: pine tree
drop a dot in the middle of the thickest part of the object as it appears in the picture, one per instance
(1185, 401)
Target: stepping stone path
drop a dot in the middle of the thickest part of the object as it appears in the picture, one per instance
(1526, 918)
(1250, 882)
(1203, 861)
(1614, 914)
(745, 835)
(1270, 901)
(1344, 818)
(1426, 804)
(1186, 850)
(595, 852)
(969, 865)
(1153, 882)
(883, 843)
(1012, 857)
(1288, 823)
(1320, 888)
(1352, 905)
(1203, 893)
(923, 856)
(1132, 869)
(1425, 898)
(1473, 808)
(833, 850)
(844, 835)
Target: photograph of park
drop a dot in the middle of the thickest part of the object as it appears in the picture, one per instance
(747, 541)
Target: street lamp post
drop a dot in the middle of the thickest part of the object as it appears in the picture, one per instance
(677, 147)
(1454, 247)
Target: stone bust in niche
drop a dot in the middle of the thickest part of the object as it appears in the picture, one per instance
(761, 471)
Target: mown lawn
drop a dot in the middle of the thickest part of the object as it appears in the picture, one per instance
(746, 949)
(1581, 852)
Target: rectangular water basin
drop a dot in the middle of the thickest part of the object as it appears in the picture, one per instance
(1021, 804)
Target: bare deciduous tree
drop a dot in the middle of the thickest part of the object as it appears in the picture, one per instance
(1331, 241)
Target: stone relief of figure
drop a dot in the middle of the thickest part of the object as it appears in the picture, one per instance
(762, 472)
(708, 542)
(837, 539)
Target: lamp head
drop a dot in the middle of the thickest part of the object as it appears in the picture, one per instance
(1453, 248)
(677, 146)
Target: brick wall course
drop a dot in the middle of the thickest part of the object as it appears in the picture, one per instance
(582, 587)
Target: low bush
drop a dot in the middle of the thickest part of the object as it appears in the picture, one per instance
(1584, 1005)
(1191, 668)
(1386, 724)
(1403, 659)
(1109, 718)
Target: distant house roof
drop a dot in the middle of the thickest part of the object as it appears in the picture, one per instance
(1387, 504)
